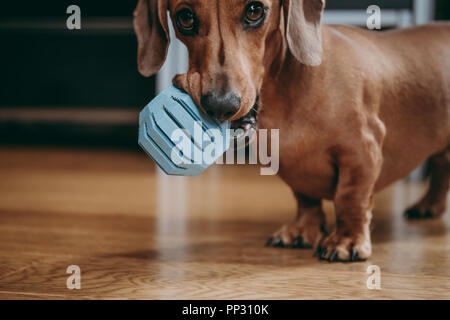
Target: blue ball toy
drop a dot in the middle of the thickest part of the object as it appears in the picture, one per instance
(179, 137)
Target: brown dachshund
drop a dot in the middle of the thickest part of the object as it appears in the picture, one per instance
(357, 109)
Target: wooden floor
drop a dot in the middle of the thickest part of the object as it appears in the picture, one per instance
(139, 234)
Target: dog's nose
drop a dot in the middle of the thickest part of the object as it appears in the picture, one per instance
(222, 106)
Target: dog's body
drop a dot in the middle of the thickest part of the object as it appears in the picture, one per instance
(370, 86)
(356, 109)
(376, 108)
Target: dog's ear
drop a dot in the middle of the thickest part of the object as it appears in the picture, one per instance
(152, 31)
(303, 32)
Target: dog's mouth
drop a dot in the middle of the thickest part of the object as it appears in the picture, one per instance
(245, 128)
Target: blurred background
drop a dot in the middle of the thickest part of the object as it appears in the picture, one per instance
(81, 88)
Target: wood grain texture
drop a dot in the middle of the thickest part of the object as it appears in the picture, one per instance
(137, 234)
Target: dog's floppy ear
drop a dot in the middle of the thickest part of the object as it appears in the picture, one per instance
(152, 31)
(303, 32)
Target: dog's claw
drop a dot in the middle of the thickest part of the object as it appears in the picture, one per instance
(300, 244)
(296, 244)
(318, 251)
(269, 242)
(278, 243)
(354, 256)
(333, 256)
(323, 254)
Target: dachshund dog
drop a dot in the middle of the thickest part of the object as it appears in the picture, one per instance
(357, 109)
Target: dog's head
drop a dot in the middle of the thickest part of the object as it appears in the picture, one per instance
(232, 45)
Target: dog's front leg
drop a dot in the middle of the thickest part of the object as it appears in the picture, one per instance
(305, 232)
(358, 172)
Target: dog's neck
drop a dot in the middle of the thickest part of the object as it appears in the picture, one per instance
(289, 86)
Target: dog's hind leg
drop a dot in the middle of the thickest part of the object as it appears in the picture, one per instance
(306, 231)
(433, 204)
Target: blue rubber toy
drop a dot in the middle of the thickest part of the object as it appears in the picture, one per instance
(180, 138)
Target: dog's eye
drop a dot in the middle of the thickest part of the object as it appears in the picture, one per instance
(254, 14)
(186, 21)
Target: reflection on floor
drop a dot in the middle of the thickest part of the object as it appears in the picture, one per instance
(135, 233)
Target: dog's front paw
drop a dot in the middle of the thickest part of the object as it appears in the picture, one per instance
(297, 235)
(344, 248)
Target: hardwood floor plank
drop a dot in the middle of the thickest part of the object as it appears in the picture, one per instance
(137, 234)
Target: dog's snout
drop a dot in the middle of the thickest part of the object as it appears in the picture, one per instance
(222, 106)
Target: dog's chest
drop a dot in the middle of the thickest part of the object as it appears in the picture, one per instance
(305, 163)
